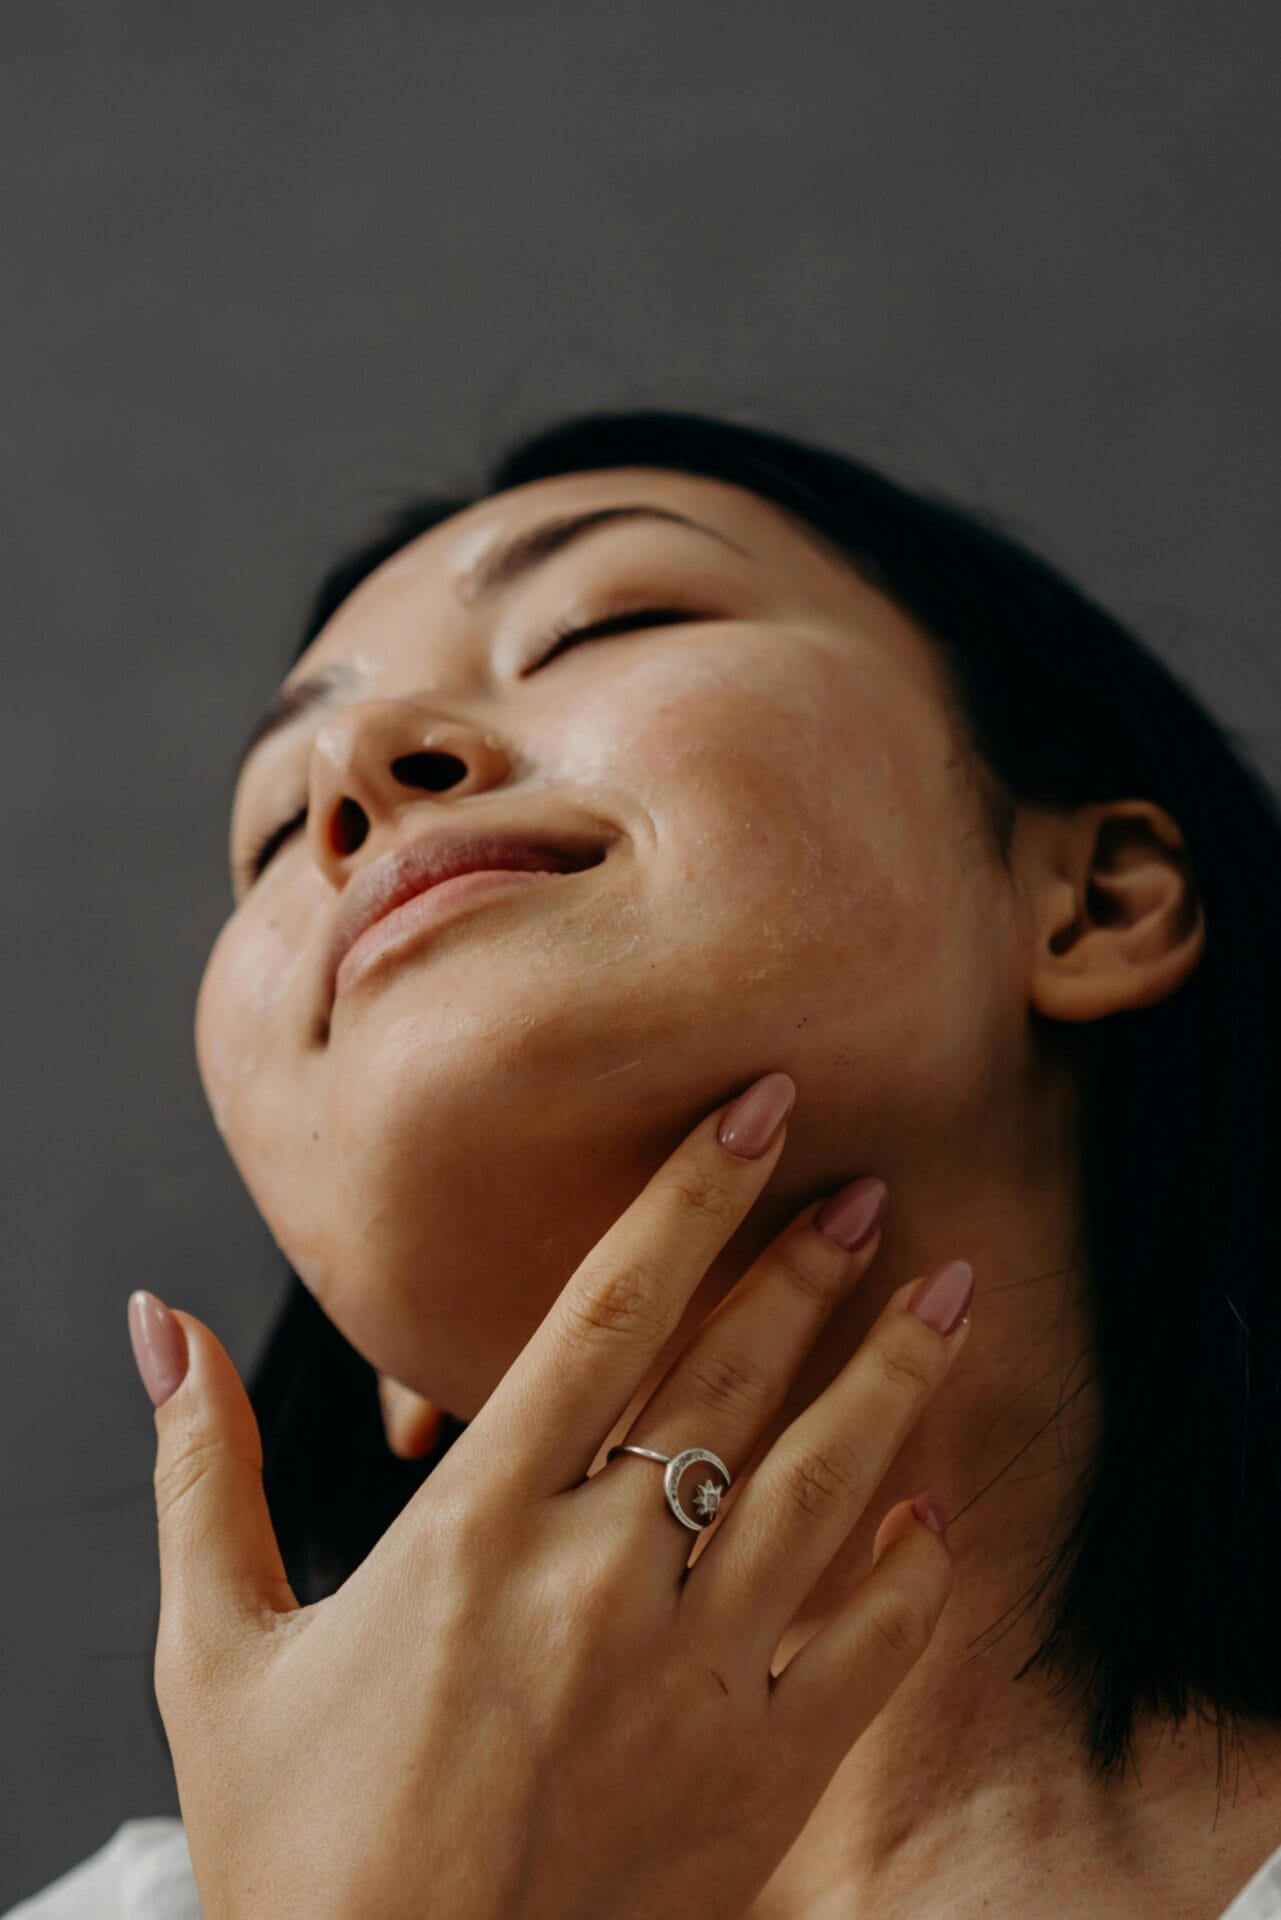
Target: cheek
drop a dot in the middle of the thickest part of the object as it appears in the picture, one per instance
(807, 825)
(242, 1009)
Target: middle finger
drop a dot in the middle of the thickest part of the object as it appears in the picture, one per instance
(733, 1376)
(822, 1472)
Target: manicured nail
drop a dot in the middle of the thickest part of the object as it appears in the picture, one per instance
(756, 1116)
(159, 1345)
(852, 1216)
(943, 1296)
(928, 1510)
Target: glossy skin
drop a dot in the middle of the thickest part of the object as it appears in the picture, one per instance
(800, 878)
(776, 781)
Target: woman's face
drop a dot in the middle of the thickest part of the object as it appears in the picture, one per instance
(797, 876)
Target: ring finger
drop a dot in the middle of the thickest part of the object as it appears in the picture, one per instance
(820, 1475)
(722, 1391)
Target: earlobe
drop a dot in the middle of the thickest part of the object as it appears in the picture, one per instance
(1118, 918)
(411, 1424)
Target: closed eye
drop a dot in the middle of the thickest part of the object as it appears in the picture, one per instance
(249, 869)
(637, 617)
(562, 639)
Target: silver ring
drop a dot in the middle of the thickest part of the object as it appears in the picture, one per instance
(707, 1497)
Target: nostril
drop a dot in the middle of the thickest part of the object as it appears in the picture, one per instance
(350, 826)
(435, 772)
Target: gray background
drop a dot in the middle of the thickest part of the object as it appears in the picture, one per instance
(266, 265)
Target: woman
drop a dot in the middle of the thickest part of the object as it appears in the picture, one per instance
(890, 927)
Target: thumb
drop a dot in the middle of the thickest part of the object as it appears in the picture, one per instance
(220, 1564)
(411, 1423)
(901, 1519)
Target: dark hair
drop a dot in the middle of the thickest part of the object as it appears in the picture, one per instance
(1162, 1591)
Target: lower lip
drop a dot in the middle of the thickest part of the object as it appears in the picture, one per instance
(395, 930)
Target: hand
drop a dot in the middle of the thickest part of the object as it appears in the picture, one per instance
(411, 1424)
(524, 1704)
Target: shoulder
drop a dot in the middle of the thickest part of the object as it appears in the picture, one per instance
(1260, 1898)
(143, 1872)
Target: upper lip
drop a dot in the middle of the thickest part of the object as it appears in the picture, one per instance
(440, 855)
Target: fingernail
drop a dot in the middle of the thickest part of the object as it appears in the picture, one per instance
(943, 1296)
(756, 1116)
(159, 1345)
(851, 1216)
(928, 1510)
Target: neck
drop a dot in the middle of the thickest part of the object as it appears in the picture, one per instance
(971, 1785)
(962, 1748)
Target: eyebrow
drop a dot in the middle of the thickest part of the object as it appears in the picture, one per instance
(491, 575)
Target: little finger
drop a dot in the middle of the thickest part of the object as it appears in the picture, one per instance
(818, 1478)
(830, 1692)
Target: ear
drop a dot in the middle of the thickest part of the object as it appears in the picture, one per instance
(412, 1424)
(1116, 915)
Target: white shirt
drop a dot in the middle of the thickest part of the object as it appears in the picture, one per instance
(144, 1873)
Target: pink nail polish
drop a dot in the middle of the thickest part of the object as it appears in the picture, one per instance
(851, 1216)
(929, 1512)
(159, 1345)
(943, 1296)
(748, 1127)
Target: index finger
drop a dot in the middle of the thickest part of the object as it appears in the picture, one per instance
(550, 1413)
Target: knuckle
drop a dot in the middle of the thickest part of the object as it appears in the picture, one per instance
(901, 1627)
(175, 1687)
(592, 1603)
(908, 1371)
(624, 1303)
(171, 1693)
(721, 1380)
(826, 1475)
(809, 1270)
(466, 1532)
(188, 1669)
(177, 1476)
(592, 1592)
(705, 1200)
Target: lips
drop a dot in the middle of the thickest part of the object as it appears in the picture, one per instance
(415, 869)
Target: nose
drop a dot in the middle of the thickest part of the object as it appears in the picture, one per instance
(370, 761)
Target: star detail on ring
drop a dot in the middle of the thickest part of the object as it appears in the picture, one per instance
(707, 1499)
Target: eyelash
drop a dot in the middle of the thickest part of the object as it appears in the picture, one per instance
(557, 641)
(630, 617)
